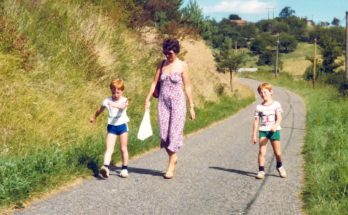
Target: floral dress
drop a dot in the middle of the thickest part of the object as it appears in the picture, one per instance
(171, 111)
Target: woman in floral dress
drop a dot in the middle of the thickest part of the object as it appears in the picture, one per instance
(172, 75)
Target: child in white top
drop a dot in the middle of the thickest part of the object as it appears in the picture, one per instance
(116, 105)
(267, 119)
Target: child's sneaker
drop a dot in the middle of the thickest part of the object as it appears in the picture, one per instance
(104, 171)
(282, 172)
(124, 173)
(260, 175)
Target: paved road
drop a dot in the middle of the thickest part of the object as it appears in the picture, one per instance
(215, 175)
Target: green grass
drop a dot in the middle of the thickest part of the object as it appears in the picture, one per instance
(325, 150)
(302, 50)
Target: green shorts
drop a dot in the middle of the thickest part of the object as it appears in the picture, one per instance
(270, 135)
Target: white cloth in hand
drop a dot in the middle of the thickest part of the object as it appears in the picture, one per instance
(145, 129)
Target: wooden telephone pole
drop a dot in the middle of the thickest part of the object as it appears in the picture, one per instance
(276, 72)
(314, 61)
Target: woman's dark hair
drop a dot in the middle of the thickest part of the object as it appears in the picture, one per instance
(171, 44)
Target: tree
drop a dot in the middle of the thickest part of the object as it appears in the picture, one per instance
(258, 45)
(335, 22)
(165, 14)
(192, 15)
(286, 12)
(308, 75)
(297, 27)
(227, 44)
(280, 27)
(266, 58)
(229, 60)
(265, 25)
(234, 17)
(331, 51)
(248, 31)
(324, 24)
(288, 43)
(217, 40)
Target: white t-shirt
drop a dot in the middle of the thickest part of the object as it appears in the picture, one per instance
(267, 115)
(116, 116)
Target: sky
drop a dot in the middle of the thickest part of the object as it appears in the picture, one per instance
(255, 10)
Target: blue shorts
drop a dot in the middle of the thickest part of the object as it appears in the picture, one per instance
(117, 129)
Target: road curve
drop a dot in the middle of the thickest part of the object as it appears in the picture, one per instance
(215, 174)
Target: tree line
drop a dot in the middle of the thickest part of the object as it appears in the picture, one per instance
(260, 39)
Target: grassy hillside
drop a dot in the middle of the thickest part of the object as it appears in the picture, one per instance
(295, 63)
(56, 61)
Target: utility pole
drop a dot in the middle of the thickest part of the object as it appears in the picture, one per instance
(268, 12)
(314, 61)
(276, 72)
(235, 46)
(346, 45)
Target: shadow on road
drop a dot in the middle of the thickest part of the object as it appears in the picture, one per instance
(241, 172)
(94, 168)
(138, 171)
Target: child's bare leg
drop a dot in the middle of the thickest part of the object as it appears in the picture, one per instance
(110, 145)
(261, 157)
(262, 151)
(123, 148)
(277, 150)
(278, 154)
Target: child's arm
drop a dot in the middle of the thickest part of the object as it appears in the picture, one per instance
(97, 113)
(122, 105)
(255, 127)
(278, 121)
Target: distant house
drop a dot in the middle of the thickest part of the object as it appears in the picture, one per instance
(247, 70)
(238, 22)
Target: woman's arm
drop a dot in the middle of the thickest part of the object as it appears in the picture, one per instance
(188, 90)
(152, 87)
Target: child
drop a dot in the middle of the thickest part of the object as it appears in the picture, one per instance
(268, 114)
(116, 105)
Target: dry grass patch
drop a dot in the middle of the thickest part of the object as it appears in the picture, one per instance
(295, 63)
(296, 67)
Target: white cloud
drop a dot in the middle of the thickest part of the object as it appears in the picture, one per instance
(239, 7)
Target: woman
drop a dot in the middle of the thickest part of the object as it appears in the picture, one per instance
(172, 75)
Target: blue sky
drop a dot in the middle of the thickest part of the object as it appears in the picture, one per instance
(255, 10)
